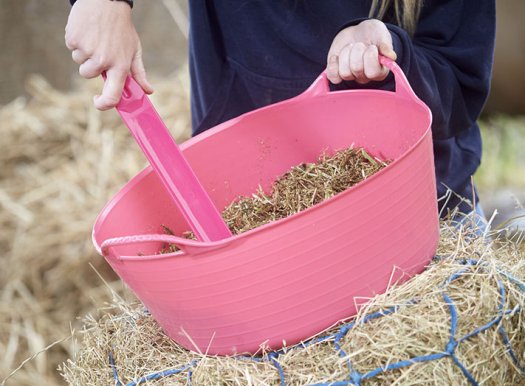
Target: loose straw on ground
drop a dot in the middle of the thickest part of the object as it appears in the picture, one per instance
(61, 161)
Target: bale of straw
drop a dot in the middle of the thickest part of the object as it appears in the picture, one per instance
(463, 317)
(61, 161)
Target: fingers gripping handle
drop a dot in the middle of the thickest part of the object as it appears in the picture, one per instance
(321, 85)
(132, 98)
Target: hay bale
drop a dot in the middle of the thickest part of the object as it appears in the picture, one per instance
(466, 309)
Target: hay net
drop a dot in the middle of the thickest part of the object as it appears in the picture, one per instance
(356, 377)
(455, 345)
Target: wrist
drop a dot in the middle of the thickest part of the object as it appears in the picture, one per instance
(129, 2)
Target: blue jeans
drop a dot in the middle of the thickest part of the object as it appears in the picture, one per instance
(475, 221)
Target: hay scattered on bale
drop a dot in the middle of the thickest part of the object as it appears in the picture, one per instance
(61, 161)
(420, 326)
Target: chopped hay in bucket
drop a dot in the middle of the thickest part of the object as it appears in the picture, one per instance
(460, 322)
(300, 188)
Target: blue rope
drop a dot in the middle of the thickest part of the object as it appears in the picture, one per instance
(114, 369)
(510, 351)
(273, 358)
(190, 375)
(151, 377)
(355, 378)
(464, 370)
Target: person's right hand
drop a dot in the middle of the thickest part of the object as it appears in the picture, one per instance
(102, 37)
(355, 50)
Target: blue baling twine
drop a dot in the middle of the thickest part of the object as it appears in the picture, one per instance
(355, 377)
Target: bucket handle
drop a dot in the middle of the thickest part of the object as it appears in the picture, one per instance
(187, 246)
(321, 85)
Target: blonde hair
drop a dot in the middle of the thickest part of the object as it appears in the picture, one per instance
(406, 12)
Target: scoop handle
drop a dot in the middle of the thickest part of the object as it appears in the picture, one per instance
(166, 159)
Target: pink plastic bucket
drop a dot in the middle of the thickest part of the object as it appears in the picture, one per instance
(290, 279)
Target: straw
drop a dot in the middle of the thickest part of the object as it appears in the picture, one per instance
(465, 280)
(302, 187)
(61, 162)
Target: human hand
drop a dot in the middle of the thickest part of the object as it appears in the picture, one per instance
(354, 53)
(102, 37)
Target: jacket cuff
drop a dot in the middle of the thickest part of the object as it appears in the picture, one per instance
(352, 22)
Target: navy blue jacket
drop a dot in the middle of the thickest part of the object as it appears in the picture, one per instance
(245, 54)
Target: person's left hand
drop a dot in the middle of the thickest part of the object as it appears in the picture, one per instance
(354, 53)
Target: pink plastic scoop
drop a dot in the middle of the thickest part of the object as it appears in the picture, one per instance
(166, 159)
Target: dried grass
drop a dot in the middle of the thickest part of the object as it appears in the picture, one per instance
(140, 348)
(61, 161)
(301, 187)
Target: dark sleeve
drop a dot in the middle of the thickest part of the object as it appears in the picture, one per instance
(449, 60)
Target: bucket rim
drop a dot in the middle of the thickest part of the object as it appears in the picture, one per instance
(212, 245)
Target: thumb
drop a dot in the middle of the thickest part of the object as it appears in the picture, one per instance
(139, 72)
(387, 50)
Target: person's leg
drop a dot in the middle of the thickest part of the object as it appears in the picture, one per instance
(474, 221)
